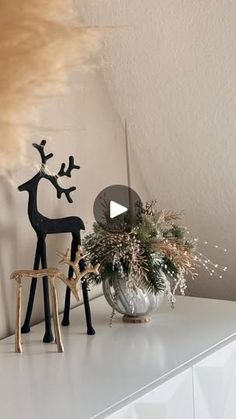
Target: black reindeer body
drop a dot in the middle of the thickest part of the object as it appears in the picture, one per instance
(43, 226)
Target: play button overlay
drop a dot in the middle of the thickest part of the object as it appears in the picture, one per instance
(117, 208)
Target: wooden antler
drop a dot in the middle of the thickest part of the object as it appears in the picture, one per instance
(75, 264)
(65, 258)
(80, 255)
(90, 269)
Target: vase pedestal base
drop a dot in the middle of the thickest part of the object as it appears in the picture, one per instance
(136, 319)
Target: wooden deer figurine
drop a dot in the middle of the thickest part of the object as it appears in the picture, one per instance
(43, 226)
(53, 275)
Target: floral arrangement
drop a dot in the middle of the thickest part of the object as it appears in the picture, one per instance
(154, 254)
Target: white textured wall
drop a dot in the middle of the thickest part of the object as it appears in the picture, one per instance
(171, 73)
(85, 125)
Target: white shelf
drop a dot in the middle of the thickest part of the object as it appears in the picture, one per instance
(99, 374)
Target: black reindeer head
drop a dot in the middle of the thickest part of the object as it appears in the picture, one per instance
(52, 178)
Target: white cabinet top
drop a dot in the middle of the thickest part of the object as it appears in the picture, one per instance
(111, 368)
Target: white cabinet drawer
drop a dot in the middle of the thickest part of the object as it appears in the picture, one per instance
(171, 400)
(214, 381)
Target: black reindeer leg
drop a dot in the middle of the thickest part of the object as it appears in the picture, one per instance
(26, 326)
(74, 246)
(90, 329)
(48, 336)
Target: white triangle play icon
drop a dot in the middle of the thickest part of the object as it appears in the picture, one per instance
(116, 209)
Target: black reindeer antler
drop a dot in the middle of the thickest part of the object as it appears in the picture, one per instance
(40, 148)
(62, 172)
(71, 166)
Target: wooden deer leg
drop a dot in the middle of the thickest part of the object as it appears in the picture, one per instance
(52, 284)
(55, 316)
(66, 315)
(26, 326)
(18, 347)
(48, 336)
(90, 329)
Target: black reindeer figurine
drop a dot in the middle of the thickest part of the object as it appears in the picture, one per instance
(43, 226)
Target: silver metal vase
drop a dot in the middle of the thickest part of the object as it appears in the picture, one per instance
(123, 295)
